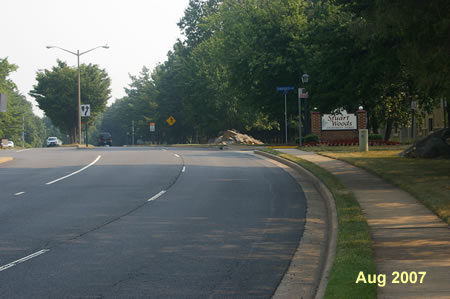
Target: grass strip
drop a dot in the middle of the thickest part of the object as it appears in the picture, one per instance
(354, 245)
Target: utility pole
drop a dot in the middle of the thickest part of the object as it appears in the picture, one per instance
(78, 54)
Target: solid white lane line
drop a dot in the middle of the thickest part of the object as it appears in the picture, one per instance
(19, 193)
(15, 263)
(176, 155)
(164, 150)
(74, 173)
(184, 169)
(157, 195)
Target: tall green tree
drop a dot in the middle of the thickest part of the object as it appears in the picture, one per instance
(19, 119)
(57, 95)
(418, 34)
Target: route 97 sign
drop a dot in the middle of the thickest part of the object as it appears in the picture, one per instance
(85, 110)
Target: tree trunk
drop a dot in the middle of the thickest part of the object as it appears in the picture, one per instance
(374, 124)
(448, 114)
(387, 134)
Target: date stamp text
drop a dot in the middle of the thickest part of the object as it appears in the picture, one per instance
(397, 277)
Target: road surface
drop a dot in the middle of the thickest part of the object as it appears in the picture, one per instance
(145, 222)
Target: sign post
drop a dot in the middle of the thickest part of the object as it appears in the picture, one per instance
(85, 111)
(152, 126)
(285, 90)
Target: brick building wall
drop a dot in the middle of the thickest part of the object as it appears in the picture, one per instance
(330, 135)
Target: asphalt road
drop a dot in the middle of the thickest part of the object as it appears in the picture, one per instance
(145, 223)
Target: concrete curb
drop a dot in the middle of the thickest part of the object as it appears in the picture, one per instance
(5, 159)
(78, 146)
(327, 260)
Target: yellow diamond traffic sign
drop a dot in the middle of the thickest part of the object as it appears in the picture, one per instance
(171, 120)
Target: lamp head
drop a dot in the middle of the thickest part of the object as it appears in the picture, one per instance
(105, 46)
(305, 78)
(49, 47)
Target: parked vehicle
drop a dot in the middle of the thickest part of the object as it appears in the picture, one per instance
(105, 138)
(53, 141)
(10, 143)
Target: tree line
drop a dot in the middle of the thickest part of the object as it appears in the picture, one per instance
(379, 54)
(223, 73)
(19, 120)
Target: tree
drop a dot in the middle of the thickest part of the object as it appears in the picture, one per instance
(56, 94)
(19, 117)
(418, 34)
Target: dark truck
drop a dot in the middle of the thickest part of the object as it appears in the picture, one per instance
(105, 138)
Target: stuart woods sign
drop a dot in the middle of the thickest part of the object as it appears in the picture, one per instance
(339, 121)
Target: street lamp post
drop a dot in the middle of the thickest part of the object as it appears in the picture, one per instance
(305, 79)
(78, 54)
(301, 94)
(300, 91)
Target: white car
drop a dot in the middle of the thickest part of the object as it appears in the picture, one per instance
(53, 141)
(10, 143)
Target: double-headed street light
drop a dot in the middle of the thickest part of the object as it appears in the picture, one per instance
(78, 54)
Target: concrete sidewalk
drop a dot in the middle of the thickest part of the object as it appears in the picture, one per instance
(407, 237)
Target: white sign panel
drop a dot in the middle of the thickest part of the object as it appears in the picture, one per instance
(152, 127)
(3, 102)
(85, 110)
(339, 121)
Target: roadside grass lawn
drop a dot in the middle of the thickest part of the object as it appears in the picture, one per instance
(428, 180)
(352, 149)
(354, 245)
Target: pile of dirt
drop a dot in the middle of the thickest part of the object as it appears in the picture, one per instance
(234, 137)
(436, 145)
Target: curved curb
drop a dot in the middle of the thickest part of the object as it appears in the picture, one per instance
(5, 159)
(320, 283)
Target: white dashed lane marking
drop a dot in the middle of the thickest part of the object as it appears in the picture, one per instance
(157, 195)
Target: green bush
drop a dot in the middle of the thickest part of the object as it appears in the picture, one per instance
(375, 137)
(310, 138)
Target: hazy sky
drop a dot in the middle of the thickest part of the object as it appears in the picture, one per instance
(139, 32)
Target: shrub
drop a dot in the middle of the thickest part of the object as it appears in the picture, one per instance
(375, 137)
(310, 138)
(349, 142)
